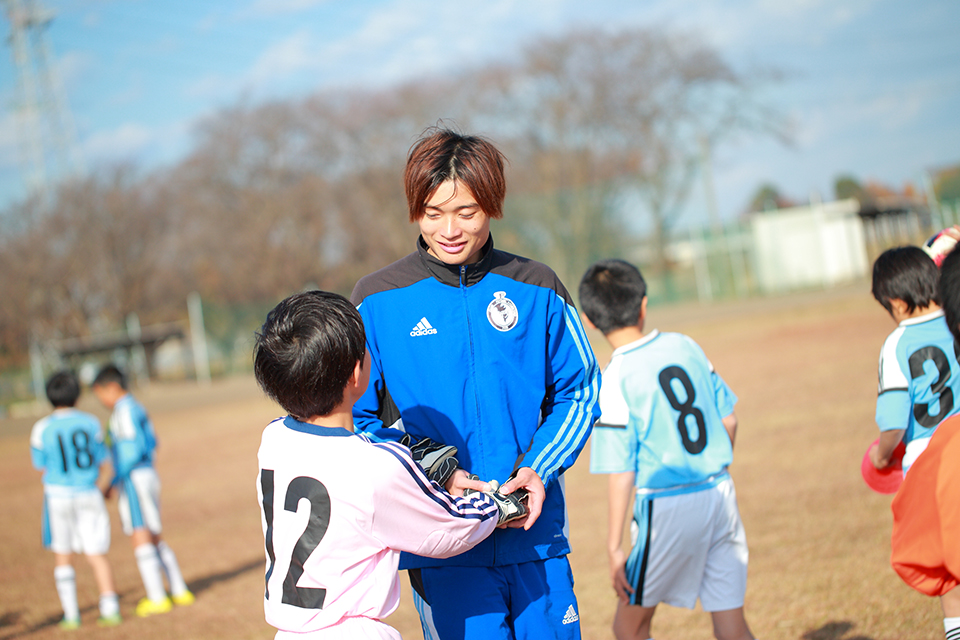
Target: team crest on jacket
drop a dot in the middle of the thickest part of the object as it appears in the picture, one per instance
(501, 312)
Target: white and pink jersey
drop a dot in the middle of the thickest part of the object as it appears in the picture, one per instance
(336, 510)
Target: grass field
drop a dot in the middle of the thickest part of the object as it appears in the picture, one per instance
(804, 368)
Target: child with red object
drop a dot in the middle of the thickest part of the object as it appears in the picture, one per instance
(926, 510)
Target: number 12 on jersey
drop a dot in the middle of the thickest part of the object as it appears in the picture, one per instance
(311, 489)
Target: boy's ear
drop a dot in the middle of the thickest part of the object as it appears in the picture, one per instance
(898, 306)
(358, 381)
(643, 311)
(586, 321)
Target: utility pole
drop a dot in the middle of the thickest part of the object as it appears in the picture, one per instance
(49, 150)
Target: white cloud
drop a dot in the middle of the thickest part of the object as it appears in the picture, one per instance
(407, 38)
(134, 141)
(125, 141)
(296, 53)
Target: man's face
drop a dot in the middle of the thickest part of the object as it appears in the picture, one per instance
(453, 225)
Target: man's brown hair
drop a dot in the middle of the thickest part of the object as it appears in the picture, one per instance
(440, 155)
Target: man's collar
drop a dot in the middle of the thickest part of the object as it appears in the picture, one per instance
(450, 273)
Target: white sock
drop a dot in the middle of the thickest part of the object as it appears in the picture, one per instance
(148, 561)
(109, 605)
(171, 568)
(951, 628)
(66, 580)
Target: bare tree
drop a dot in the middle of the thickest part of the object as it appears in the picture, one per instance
(594, 114)
(275, 197)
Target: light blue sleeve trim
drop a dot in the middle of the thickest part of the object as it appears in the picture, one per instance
(893, 410)
(578, 421)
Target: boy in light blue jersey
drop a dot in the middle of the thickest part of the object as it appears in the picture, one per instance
(68, 447)
(919, 374)
(132, 444)
(665, 432)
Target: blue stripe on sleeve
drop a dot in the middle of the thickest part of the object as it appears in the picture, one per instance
(481, 503)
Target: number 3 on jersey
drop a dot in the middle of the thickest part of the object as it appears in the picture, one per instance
(685, 407)
(314, 491)
(921, 412)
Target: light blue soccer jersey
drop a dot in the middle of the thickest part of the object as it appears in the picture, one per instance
(132, 440)
(919, 381)
(662, 406)
(68, 446)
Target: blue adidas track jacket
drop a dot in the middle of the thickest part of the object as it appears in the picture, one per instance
(491, 358)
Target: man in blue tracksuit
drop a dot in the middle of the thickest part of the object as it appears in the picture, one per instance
(482, 350)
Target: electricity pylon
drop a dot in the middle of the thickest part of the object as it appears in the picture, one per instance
(49, 150)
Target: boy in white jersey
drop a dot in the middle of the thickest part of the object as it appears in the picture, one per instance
(665, 433)
(336, 508)
(919, 374)
(132, 444)
(68, 447)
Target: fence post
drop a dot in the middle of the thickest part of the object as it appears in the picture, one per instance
(198, 339)
(138, 355)
(701, 269)
(36, 372)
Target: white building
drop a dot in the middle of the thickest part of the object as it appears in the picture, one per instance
(817, 245)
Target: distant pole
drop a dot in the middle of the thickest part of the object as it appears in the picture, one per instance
(933, 203)
(710, 195)
(198, 339)
(138, 356)
(701, 269)
(36, 371)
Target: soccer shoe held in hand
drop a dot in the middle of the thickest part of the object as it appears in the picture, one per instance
(512, 506)
(437, 460)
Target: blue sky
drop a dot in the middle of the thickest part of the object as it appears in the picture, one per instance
(872, 87)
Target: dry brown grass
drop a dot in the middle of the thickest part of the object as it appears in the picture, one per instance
(804, 368)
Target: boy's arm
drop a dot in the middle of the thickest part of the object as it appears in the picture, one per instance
(412, 514)
(37, 455)
(730, 424)
(107, 480)
(881, 452)
(620, 496)
(37, 458)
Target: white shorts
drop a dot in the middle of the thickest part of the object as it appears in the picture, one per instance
(689, 546)
(139, 502)
(77, 523)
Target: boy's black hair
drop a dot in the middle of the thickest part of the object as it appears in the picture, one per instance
(306, 352)
(908, 274)
(611, 292)
(63, 389)
(110, 373)
(950, 291)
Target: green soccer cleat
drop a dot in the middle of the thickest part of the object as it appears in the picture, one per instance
(68, 624)
(147, 607)
(109, 621)
(184, 599)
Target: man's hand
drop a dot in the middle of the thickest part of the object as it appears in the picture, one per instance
(618, 575)
(526, 478)
(461, 480)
